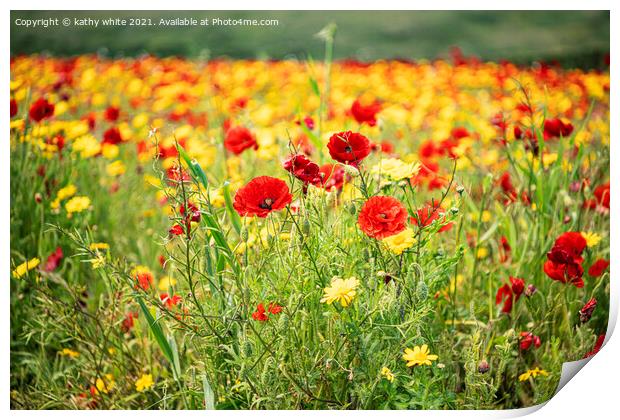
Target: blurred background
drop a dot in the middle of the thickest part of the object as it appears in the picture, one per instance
(569, 38)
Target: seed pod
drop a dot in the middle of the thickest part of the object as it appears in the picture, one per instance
(352, 208)
(247, 349)
(306, 227)
(284, 322)
(483, 366)
(422, 290)
(460, 189)
(244, 234)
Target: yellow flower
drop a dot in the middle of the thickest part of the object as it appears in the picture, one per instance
(482, 252)
(25, 267)
(77, 204)
(419, 356)
(399, 242)
(166, 282)
(98, 245)
(145, 382)
(592, 238)
(532, 373)
(105, 386)
(115, 168)
(110, 151)
(69, 353)
(396, 169)
(340, 290)
(66, 192)
(387, 373)
(98, 261)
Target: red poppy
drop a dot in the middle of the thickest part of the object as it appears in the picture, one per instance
(128, 322)
(585, 313)
(274, 308)
(13, 108)
(509, 190)
(510, 293)
(239, 139)
(564, 260)
(53, 261)
(333, 176)
(112, 113)
(365, 113)
(382, 216)
(597, 346)
(348, 147)
(598, 267)
(527, 339)
(260, 314)
(193, 212)
(504, 250)
(143, 280)
(261, 196)
(602, 195)
(303, 169)
(169, 301)
(112, 136)
(428, 214)
(41, 109)
(555, 127)
(307, 121)
(176, 230)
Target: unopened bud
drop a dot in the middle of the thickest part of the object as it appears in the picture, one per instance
(530, 290)
(483, 366)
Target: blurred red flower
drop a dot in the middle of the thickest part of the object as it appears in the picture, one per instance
(169, 301)
(348, 147)
(239, 139)
(597, 346)
(365, 113)
(555, 127)
(41, 109)
(382, 216)
(585, 313)
(13, 108)
(260, 314)
(333, 176)
(53, 261)
(527, 339)
(112, 136)
(564, 260)
(428, 214)
(303, 169)
(261, 196)
(112, 113)
(598, 267)
(510, 293)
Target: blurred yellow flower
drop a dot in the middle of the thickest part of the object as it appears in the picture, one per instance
(532, 373)
(592, 238)
(166, 282)
(106, 385)
(400, 242)
(77, 204)
(145, 382)
(340, 290)
(387, 373)
(396, 169)
(98, 245)
(25, 267)
(115, 168)
(69, 353)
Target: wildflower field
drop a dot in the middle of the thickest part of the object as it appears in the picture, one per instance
(246, 234)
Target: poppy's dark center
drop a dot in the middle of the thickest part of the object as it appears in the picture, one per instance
(348, 149)
(266, 204)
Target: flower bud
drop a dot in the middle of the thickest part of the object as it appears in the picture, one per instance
(530, 290)
(483, 366)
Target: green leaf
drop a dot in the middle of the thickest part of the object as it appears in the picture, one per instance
(232, 213)
(208, 392)
(157, 332)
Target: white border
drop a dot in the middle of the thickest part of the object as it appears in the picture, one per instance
(592, 394)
